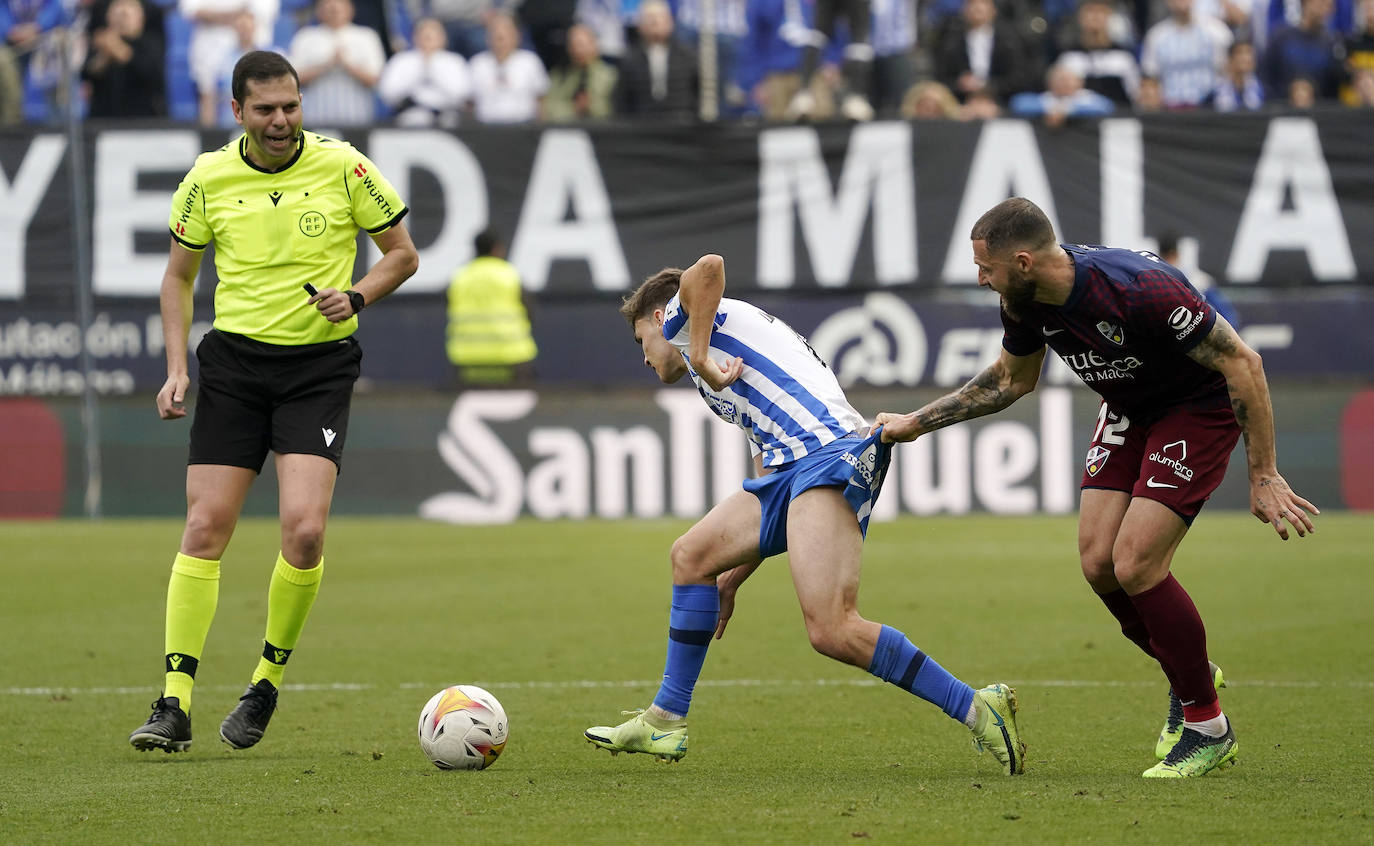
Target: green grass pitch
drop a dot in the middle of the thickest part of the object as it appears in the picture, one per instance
(565, 623)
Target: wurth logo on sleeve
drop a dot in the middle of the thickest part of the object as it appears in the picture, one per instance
(359, 171)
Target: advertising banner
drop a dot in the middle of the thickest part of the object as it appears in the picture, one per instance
(497, 456)
(1282, 201)
(877, 338)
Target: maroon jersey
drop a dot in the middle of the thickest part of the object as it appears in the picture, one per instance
(1126, 330)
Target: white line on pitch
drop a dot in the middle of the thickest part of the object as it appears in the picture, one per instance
(595, 683)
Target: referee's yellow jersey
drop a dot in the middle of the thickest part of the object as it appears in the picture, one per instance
(273, 232)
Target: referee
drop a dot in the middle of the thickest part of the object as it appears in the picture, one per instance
(283, 208)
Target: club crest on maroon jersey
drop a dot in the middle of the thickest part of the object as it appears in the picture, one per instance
(1111, 332)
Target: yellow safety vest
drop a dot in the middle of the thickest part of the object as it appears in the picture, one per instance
(487, 322)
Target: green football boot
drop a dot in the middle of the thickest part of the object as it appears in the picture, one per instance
(996, 730)
(1173, 726)
(637, 735)
(1196, 754)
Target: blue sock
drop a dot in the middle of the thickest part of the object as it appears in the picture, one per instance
(691, 623)
(897, 660)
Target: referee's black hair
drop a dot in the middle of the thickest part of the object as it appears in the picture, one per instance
(260, 66)
(1015, 223)
(486, 241)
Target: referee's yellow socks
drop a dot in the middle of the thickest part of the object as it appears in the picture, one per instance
(192, 594)
(289, 599)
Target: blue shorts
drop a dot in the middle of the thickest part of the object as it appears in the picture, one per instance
(856, 463)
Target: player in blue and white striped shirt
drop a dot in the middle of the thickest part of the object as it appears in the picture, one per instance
(819, 470)
(788, 402)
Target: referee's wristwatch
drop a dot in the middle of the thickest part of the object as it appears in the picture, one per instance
(356, 300)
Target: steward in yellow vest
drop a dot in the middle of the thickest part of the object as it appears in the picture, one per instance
(489, 337)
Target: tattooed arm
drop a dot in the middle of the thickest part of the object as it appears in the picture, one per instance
(1005, 381)
(1271, 500)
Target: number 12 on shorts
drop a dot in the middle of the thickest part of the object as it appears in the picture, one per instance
(1109, 423)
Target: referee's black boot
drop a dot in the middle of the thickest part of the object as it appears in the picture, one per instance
(246, 723)
(168, 729)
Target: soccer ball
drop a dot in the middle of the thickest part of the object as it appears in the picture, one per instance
(463, 727)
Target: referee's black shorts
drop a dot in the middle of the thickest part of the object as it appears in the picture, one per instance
(255, 397)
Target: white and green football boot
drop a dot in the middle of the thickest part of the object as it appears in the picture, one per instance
(996, 731)
(1173, 725)
(637, 735)
(1196, 754)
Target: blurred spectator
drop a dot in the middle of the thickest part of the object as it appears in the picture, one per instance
(124, 66)
(1302, 93)
(894, 45)
(659, 76)
(507, 82)
(1186, 52)
(930, 100)
(24, 21)
(1055, 15)
(1236, 14)
(246, 30)
(980, 105)
(339, 63)
(982, 53)
(11, 89)
(33, 30)
(1169, 250)
(1276, 14)
(730, 28)
(606, 18)
(1064, 97)
(547, 22)
(1112, 27)
(213, 39)
(1240, 88)
(1308, 49)
(1150, 96)
(465, 22)
(584, 87)
(766, 67)
(1359, 55)
(389, 19)
(937, 16)
(98, 10)
(1107, 65)
(1245, 18)
(1362, 84)
(427, 85)
(858, 58)
(489, 339)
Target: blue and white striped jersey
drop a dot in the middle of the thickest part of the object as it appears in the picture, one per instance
(787, 400)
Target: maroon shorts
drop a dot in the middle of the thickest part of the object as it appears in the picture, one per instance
(1178, 460)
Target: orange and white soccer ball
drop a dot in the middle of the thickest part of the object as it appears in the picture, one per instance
(463, 727)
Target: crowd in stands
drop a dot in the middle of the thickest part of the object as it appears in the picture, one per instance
(446, 62)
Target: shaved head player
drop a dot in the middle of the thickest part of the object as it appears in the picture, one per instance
(1178, 389)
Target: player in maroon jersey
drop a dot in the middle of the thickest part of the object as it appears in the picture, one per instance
(1179, 387)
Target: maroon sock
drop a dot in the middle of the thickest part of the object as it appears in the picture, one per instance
(1123, 609)
(1180, 640)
